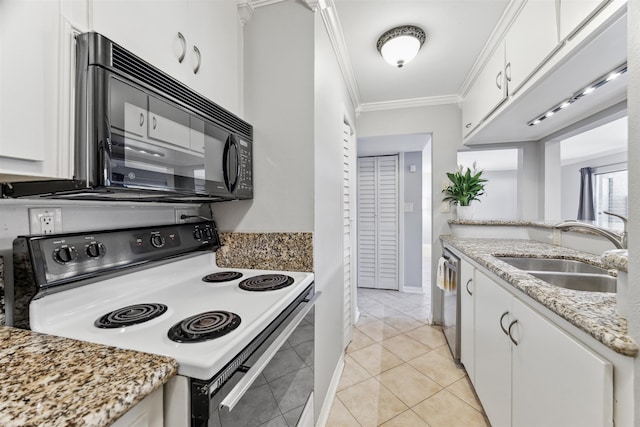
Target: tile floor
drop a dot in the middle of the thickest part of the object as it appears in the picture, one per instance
(399, 372)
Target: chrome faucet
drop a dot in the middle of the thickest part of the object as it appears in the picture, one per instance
(619, 240)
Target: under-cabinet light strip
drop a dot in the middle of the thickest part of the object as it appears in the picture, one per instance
(603, 80)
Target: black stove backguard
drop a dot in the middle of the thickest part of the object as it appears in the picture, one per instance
(45, 264)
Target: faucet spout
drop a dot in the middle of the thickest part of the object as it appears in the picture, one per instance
(619, 240)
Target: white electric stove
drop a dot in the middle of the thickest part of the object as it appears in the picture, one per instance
(158, 290)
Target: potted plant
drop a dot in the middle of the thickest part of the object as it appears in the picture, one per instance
(466, 186)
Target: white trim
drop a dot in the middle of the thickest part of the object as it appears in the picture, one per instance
(498, 33)
(323, 417)
(336, 36)
(410, 103)
(262, 3)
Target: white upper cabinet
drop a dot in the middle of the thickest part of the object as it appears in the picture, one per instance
(532, 38)
(36, 69)
(194, 41)
(575, 13)
(487, 93)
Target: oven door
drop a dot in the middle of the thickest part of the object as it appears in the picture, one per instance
(275, 384)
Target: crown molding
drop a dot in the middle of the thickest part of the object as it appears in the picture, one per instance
(336, 37)
(497, 35)
(261, 3)
(245, 11)
(410, 103)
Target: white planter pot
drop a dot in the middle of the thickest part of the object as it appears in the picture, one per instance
(464, 212)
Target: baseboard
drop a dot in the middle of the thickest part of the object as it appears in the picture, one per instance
(331, 393)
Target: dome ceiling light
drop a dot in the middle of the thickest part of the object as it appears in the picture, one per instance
(400, 45)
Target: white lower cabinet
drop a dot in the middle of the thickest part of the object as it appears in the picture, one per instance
(528, 372)
(467, 321)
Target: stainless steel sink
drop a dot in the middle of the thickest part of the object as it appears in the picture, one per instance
(552, 264)
(578, 281)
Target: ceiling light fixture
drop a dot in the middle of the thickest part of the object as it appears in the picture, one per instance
(400, 45)
(603, 80)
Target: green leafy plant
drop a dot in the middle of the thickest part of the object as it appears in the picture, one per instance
(466, 186)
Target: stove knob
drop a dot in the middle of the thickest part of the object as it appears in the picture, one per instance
(207, 233)
(95, 250)
(157, 241)
(65, 254)
(197, 234)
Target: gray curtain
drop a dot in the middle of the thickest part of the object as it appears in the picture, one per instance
(585, 205)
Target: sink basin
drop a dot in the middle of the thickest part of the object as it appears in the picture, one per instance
(578, 281)
(552, 264)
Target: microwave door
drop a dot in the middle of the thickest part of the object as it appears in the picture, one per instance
(215, 148)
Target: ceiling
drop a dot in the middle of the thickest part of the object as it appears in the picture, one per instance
(610, 138)
(457, 31)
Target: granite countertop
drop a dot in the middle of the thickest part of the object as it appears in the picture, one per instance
(593, 312)
(54, 381)
(503, 222)
(617, 259)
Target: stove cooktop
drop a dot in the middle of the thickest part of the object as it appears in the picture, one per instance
(178, 285)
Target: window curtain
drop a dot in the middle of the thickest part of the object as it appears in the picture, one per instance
(586, 211)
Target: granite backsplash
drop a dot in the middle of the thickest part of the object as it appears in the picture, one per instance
(266, 251)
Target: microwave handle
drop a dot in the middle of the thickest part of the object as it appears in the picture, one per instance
(234, 396)
(231, 185)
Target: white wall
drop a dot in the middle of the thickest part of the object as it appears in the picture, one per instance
(500, 200)
(279, 90)
(570, 185)
(332, 107)
(412, 258)
(633, 93)
(443, 122)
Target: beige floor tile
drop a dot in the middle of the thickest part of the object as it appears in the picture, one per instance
(440, 369)
(352, 373)
(405, 347)
(408, 384)
(428, 335)
(359, 340)
(446, 410)
(444, 351)
(402, 322)
(421, 314)
(340, 416)
(463, 389)
(405, 419)
(376, 359)
(365, 318)
(371, 403)
(379, 330)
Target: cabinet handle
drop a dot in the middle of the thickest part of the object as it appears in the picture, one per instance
(499, 80)
(501, 325)
(197, 67)
(183, 42)
(467, 286)
(155, 123)
(511, 336)
(468, 125)
(141, 119)
(507, 71)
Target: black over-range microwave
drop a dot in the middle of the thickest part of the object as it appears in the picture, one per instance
(143, 135)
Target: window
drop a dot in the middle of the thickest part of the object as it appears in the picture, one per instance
(611, 191)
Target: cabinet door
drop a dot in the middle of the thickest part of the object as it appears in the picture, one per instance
(575, 13)
(149, 29)
(493, 350)
(556, 380)
(487, 92)
(467, 321)
(532, 38)
(212, 52)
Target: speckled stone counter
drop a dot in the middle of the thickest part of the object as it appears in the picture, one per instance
(592, 312)
(268, 251)
(617, 258)
(503, 222)
(53, 381)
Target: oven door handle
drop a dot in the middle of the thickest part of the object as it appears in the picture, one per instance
(234, 396)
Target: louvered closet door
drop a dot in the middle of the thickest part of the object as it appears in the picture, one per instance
(378, 222)
(346, 224)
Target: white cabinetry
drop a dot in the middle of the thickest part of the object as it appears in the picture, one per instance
(532, 38)
(35, 68)
(487, 92)
(467, 318)
(194, 41)
(522, 358)
(575, 13)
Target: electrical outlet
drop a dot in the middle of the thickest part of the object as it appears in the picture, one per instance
(45, 220)
(179, 213)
